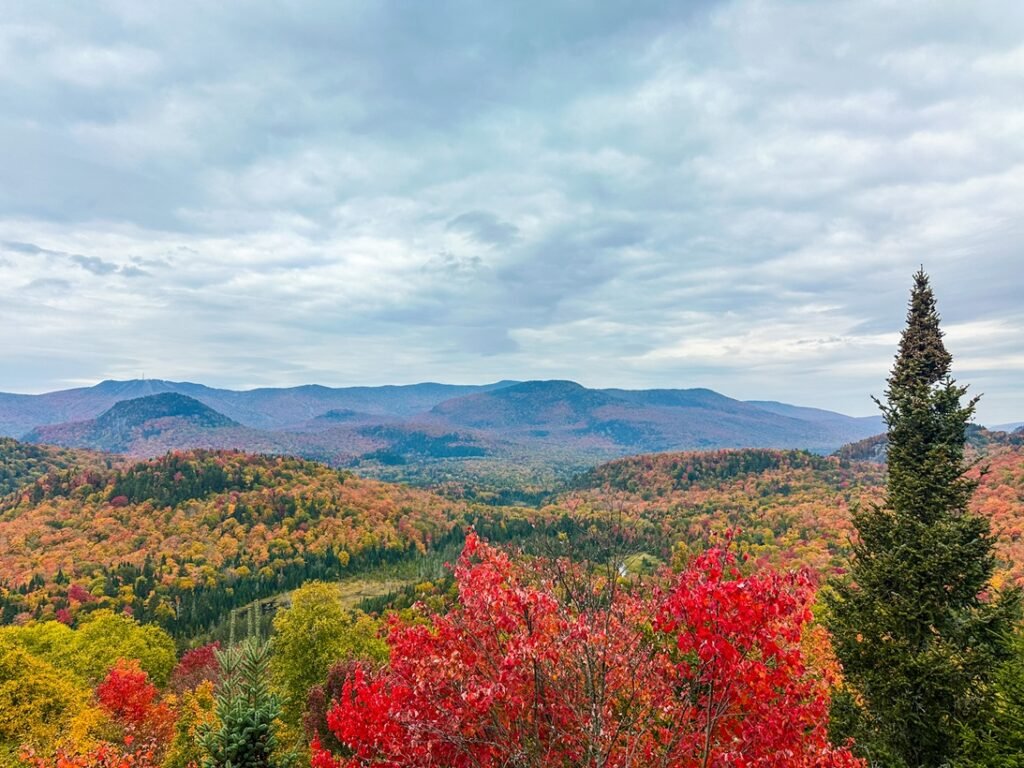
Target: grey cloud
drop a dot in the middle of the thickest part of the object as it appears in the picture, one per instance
(29, 248)
(488, 342)
(94, 264)
(485, 227)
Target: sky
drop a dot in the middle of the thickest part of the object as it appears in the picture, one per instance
(731, 195)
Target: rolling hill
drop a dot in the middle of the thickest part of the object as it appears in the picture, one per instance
(168, 418)
(182, 538)
(787, 508)
(23, 463)
(617, 421)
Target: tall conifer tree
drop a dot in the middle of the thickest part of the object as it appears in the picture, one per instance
(245, 732)
(917, 627)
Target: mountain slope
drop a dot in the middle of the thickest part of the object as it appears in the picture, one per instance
(530, 405)
(267, 408)
(560, 424)
(842, 427)
(615, 421)
(128, 422)
(980, 442)
(22, 464)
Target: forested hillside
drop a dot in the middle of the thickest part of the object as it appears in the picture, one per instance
(180, 539)
(95, 550)
(23, 463)
(789, 508)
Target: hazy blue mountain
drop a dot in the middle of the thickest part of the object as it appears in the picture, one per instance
(1011, 427)
(566, 413)
(419, 422)
(268, 408)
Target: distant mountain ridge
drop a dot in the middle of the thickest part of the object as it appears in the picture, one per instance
(980, 441)
(417, 423)
(264, 408)
(658, 419)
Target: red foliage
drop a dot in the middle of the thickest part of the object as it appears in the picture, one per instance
(133, 701)
(127, 693)
(579, 670)
(64, 616)
(79, 594)
(102, 756)
(196, 666)
(320, 701)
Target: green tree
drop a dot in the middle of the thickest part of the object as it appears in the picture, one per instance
(917, 628)
(311, 636)
(245, 733)
(999, 742)
(104, 637)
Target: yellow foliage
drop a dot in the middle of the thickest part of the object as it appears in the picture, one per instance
(36, 700)
(88, 729)
(196, 712)
(103, 638)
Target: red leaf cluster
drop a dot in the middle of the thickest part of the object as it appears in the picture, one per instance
(79, 594)
(194, 667)
(559, 670)
(133, 700)
(102, 756)
(127, 693)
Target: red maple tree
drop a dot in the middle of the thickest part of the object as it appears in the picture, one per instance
(146, 721)
(548, 664)
(196, 666)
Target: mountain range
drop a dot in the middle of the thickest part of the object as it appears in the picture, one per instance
(394, 425)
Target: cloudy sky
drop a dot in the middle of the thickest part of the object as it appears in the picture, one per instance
(642, 194)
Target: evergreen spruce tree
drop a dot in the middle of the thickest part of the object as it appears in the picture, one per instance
(244, 736)
(917, 628)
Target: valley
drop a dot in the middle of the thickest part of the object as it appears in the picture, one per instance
(182, 539)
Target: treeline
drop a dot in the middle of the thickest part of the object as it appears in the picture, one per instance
(660, 473)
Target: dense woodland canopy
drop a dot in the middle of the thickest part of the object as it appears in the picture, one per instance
(181, 539)
(177, 542)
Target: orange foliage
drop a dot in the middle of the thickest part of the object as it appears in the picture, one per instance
(256, 518)
(791, 508)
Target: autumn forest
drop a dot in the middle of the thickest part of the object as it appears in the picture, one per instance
(213, 607)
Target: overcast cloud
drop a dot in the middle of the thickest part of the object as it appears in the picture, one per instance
(721, 194)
